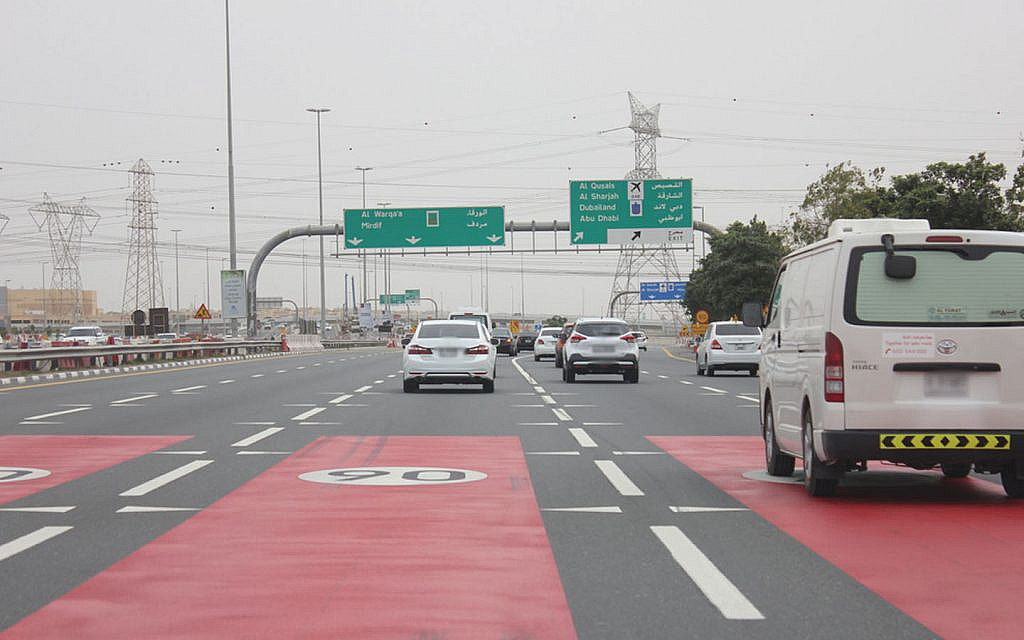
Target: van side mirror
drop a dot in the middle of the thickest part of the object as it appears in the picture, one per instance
(752, 316)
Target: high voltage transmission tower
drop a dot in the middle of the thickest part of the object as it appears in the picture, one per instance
(143, 286)
(658, 260)
(66, 223)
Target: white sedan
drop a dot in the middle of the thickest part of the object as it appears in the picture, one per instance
(544, 345)
(449, 352)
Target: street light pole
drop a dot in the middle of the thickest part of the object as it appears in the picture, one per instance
(320, 186)
(231, 160)
(45, 297)
(363, 170)
(387, 265)
(177, 281)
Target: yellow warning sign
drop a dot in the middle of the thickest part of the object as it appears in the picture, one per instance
(702, 316)
(513, 326)
(943, 441)
(203, 313)
(698, 328)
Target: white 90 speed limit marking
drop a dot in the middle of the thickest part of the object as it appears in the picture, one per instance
(392, 476)
(14, 474)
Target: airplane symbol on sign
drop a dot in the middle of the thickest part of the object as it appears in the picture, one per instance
(636, 186)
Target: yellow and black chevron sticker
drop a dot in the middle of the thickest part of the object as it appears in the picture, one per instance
(943, 441)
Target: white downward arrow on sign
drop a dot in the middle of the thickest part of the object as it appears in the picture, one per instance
(493, 238)
(412, 239)
(355, 241)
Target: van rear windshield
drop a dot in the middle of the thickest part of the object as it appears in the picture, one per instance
(962, 285)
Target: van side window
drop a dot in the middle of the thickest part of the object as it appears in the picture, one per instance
(773, 309)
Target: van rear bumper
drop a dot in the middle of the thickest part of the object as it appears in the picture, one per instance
(939, 446)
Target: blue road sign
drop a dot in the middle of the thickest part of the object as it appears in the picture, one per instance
(665, 291)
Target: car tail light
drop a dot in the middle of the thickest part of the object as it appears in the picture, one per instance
(478, 350)
(539, 341)
(574, 338)
(629, 337)
(715, 344)
(834, 390)
(943, 239)
(417, 350)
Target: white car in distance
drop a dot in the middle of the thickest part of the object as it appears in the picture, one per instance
(729, 345)
(544, 345)
(86, 335)
(449, 352)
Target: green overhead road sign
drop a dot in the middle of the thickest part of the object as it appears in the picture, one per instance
(412, 295)
(631, 211)
(435, 227)
(396, 298)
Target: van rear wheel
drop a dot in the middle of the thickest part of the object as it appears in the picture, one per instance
(1013, 483)
(819, 480)
(956, 470)
(778, 463)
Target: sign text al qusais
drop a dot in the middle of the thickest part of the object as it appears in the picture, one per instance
(635, 211)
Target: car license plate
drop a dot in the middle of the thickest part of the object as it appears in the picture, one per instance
(603, 349)
(447, 353)
(742, 346)
(945, 384)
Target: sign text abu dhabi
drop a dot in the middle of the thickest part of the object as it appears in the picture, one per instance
(433, 227)
(631, 211)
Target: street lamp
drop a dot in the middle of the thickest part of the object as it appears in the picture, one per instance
(364, 170)
(320, 187)
(387, 265)
(177, 281)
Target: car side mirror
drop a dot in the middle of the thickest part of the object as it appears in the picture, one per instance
(495, 341)
(406, 341)
(752, 316)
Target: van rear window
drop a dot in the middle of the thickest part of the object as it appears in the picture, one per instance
(952, 286)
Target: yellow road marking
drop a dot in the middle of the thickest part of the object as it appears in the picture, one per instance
(669, 354)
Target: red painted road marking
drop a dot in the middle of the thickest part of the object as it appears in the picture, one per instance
(284, 557)
(949, 554)
(68, 458)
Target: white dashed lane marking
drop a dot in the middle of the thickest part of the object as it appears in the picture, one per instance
(57, 413)
(256, 437)
(618, 478)
(582, 437)
(309, 414)
(187, 389)
(561, 414)
(134, 399)
(29, 540)
(714, 390)
(165, 478)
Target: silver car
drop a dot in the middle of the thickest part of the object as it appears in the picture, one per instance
(729, 346)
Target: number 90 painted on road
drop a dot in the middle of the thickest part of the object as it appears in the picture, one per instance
(393, 476)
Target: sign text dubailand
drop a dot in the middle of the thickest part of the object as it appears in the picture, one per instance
(631, 211)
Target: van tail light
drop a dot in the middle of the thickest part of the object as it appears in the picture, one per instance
(629, 337)
(417, 350)
(574, 338)
(943, 239)
(834, 389)
(715, 344)
(478, 350)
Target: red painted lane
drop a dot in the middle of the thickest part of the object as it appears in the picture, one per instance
(948, 553)
(69, 457)
(283, 557)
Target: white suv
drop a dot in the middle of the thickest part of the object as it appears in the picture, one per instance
(601, 345)
(90, 335)
(891, 341)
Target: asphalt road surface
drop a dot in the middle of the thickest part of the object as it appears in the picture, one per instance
(306, 496)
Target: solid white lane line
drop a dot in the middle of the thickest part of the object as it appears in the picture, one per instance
(548, 400)
(529, 379)
(58, 413)
(225, 382)
(184, 389)
(350, 404)
(362, 389)
(638, 453)
(582, 437)
(264, 453)
(561, 414)
(342, 398)
(722, 593)
(256, 437)
(714, 390)
(30, 540)
(552, 453)
(256, 375)
(618, 478)
(180, 453)
(602, 424)
(706, 509)
(586, 509)
(140, 509)
(165, 478)
(142, 397)
(37, 509)
(38, 422)
(579, 405)
(309, 414)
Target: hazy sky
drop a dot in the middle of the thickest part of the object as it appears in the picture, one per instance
(471, 103)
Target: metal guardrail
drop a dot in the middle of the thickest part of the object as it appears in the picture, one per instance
(87, 355)
(351, 344)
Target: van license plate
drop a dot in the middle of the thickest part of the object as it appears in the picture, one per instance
(945, 384)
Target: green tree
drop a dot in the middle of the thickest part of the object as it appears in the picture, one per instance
(844, 191)
(960, 196)
(740, 268)
(555, 321)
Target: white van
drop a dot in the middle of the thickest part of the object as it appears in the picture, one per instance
(473, 313)
(891, 341)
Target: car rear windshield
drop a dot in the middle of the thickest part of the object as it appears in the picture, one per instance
(553, 331)
(82, 332)
(598, 329)
(452, 330)
(736, 330)
(502, 333)
(977, 285)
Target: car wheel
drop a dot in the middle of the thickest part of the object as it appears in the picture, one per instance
(700, 369)
(558, 361)
(570, 374)
(708, 369)
(410, 386)
(778, 463)
(1012, 484)
(955, 470)
(753, 371)
(536, 358)
(488, 386)
(634, 376)
(815, 471)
